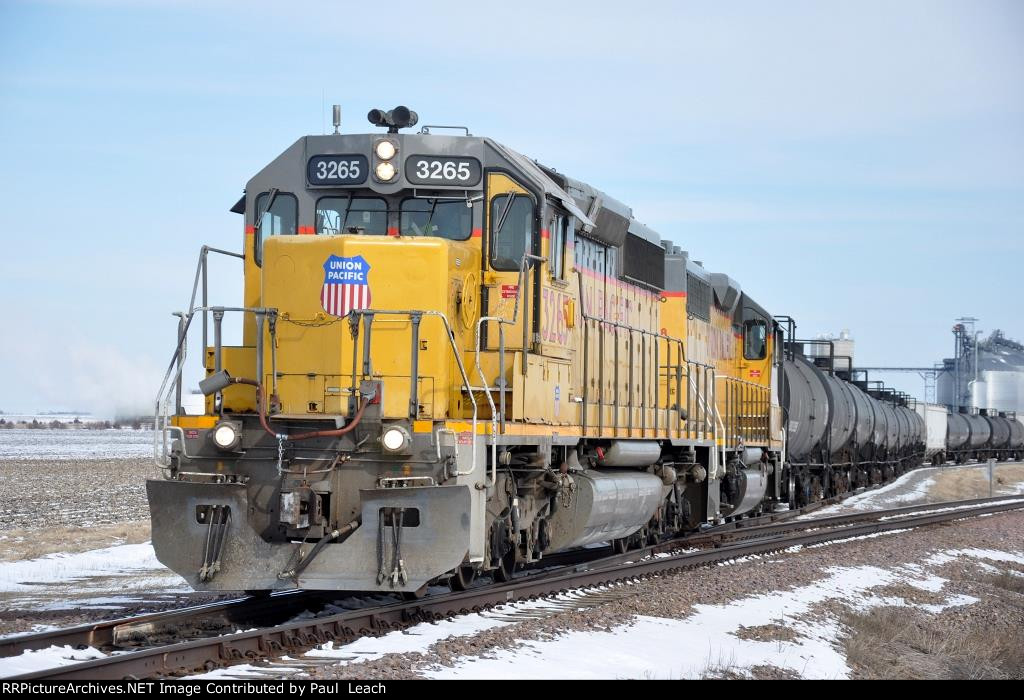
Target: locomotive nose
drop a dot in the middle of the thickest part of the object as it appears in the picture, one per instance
(329, 289)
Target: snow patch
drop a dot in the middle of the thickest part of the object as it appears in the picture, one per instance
(707, 640)
(919, 481)
(42, 659)
(120, 560)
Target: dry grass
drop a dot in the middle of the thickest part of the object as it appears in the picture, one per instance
(956, 484)
(17, 545)
(1008, 581)
(766, 633)
(718, 672)
(904, 643)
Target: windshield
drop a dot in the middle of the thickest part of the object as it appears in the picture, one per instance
(338, 215)
(451, 219)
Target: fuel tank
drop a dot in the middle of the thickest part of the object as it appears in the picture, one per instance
(753, 484)
(606, 505)
(958, 431)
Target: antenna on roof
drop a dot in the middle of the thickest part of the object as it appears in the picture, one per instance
(337, 118)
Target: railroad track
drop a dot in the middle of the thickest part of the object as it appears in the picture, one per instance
(293, 637)
(759, 528)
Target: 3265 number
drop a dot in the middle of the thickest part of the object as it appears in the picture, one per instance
(337, 170)
(442, 170)
(424, 170)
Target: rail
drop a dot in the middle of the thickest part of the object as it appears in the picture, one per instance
(676, 556)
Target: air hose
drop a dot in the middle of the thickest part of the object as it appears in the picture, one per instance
(317, 548)
(308, 436)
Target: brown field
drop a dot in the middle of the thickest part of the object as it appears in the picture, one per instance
(16, 545)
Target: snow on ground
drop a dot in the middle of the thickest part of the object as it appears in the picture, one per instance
(75, 444)
(111, 576)
(948, 509)
(42, 659)
(414, 639)
(908, 489)
(702, 642)
(707, 640)
(915, 487)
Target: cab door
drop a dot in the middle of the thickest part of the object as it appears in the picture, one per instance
(511, 233)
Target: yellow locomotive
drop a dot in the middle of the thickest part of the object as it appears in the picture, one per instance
(455, 360)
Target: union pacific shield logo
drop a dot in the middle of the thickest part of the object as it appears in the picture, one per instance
(346, 285)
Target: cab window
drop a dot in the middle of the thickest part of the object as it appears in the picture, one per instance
(358, 215)
(755, 340)
(559, 236)
(439, 218)
(511, 230)
(281, 219)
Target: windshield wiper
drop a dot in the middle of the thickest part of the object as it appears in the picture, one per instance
(430, 218)
(505, 213)
(271, 196)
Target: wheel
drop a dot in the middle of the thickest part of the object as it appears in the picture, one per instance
(620, 546)
(462, 579)
(506, 567)
(817, 491)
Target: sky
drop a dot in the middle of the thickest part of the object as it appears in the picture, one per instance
(855, 165)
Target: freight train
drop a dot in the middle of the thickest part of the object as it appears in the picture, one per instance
(456, 361)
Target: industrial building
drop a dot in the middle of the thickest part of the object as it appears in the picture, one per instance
(983, 373)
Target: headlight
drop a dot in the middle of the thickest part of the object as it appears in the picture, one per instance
(385, 172)
(385, 150)
(395, 440)
(227, 436)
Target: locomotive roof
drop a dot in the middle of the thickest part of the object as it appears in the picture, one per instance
(602, 217)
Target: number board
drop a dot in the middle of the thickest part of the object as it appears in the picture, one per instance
(337, 170)
(443, 170)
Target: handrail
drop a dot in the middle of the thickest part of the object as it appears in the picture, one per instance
(201, 271)
(371, 313)
(682, 362)
(525, 264)
(200, 276)
(161, 416)
(739, 393)
(740, 380)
